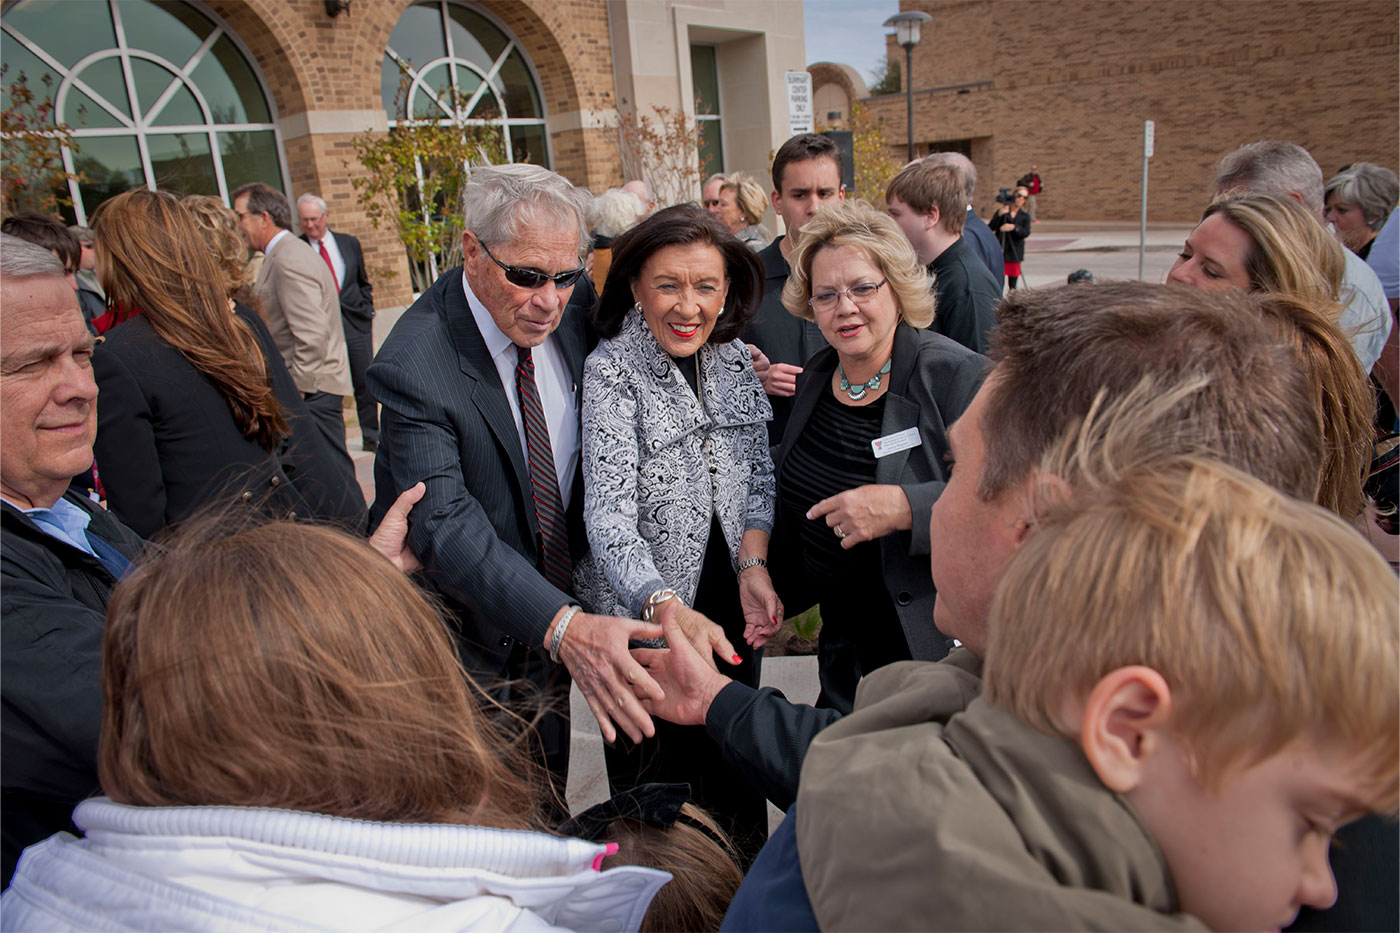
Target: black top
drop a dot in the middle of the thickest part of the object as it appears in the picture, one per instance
(1013, 242)
(967, 296)
(833, 454)
(782, 337)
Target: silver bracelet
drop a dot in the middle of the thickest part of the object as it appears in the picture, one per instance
(655, 599)
(559, 630)
(748, 562)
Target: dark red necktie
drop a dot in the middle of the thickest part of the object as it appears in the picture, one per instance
(549, 507)
(329, 265)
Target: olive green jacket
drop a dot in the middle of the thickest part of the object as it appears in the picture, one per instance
(928, 808)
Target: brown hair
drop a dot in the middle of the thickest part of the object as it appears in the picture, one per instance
(1270, 618)
(1056, 349)
(48, 232)
(927, 185)
(702, 862)
(289, 666)
(153, 258)
(219, 226)
(857, 223)
(1342, 397)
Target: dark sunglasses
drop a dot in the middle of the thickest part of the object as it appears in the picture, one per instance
(534, 278)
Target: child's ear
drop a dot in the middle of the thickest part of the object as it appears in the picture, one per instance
(1124, 723)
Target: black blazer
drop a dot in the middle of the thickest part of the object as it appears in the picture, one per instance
(446, 422)
(932, 381)
(356, 293)
(167, 444)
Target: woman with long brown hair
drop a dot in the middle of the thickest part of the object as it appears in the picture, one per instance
(289, 740)
(188, 416)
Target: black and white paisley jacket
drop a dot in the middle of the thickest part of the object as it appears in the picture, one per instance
(658, 463)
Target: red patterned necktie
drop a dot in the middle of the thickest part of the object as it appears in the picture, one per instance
(544, 482)
(329, 265)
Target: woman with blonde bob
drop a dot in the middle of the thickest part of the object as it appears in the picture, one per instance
(742, 202)
(864, 455)
(289, 739)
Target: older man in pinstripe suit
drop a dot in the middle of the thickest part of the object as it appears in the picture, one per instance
(479, 383)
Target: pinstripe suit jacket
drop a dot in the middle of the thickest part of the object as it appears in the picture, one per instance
(446, 421)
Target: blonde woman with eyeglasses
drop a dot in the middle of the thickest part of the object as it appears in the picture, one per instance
(865, 453)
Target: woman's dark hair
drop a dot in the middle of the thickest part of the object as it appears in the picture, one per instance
(680, 226)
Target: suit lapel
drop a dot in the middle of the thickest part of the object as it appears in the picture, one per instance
(900, 413)
(484, 385)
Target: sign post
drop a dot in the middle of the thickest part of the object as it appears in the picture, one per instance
(1148, 132)
(799, 95)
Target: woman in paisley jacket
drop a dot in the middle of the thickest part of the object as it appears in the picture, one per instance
(678, 480)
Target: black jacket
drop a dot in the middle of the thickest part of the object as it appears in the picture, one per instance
(932, 380)
(967, 296)
(53, 599)
(782, 337)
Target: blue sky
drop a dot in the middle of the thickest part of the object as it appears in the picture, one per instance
(848, 31)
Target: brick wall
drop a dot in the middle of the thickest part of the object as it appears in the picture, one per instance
(1068, 85)
(313, 63)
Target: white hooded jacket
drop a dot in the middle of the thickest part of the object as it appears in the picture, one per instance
(242, 868)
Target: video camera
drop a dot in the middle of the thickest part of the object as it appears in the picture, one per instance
(1004, 196)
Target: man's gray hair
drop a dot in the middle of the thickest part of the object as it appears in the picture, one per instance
(615, 211)
(960, 164)
(20, 259)
(499, 200)
(1273, 167)
(314, 199)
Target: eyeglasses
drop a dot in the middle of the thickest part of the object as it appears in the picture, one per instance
(534, 278)
(712, 202)
(859, 294)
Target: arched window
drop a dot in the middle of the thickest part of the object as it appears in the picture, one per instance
(158, 93)
(453, 63)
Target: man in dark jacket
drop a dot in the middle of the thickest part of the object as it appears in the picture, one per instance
(60, 553)
(926, 200)
(342, 253)
(975, 230)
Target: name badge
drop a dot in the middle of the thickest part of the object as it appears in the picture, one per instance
(894, 443)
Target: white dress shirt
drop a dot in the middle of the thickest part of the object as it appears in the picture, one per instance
(337, 260)
(555, 385)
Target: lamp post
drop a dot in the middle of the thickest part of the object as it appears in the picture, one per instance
(906, 34)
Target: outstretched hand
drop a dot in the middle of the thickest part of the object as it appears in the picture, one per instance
(707, 637)
(391, 537)
(611, 680)
(689, 684)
